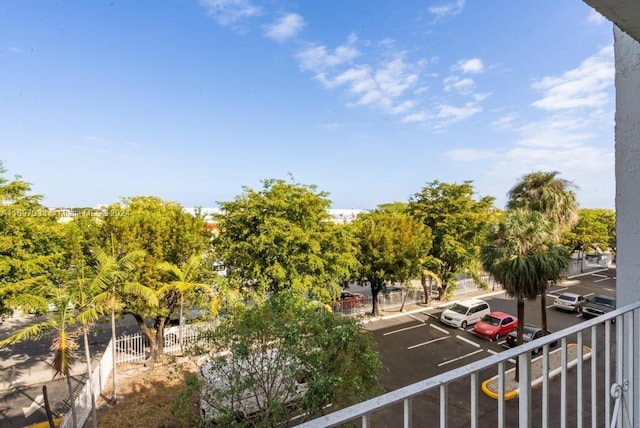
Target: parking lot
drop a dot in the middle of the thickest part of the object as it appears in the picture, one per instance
(417, 346)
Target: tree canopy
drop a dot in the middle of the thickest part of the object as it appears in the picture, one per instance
(594, 231)
(392, 246)
(280, 238)
(165, 233)
(295, 354)
(31, 248)
(458, 222)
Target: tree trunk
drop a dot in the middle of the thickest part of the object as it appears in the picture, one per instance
(155, 346)
(543, 309)
(442, 291)
(426, 289)
(519, 331)
(113, 353)
(94, 417)
(47, 408)
(180, 322)
(375, 310)
(73, 401)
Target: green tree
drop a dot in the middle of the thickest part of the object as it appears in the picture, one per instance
(166, 233)
(458, 222)
(553, 197)
(184, 282)
(521, 256)
(63, 343)
(31, 248)
(114, 280)
(595, 231)
(296, 355)
(391, 248)
(80, 237)
(548, 194)
(280, 238)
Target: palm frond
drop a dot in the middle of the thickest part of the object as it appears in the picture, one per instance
(32, 332)
(64, 348)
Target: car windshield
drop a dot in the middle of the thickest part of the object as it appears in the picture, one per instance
(460, 309)
(604, 301)
(567, 298)
(491, 320)
(528, 333)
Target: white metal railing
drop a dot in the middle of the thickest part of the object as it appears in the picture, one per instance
(129, 348)
(612, 381)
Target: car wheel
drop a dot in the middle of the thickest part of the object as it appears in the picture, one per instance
(536, 351)
(463, 325)
(496, 337)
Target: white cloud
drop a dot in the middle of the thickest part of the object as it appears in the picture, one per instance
(417, 117)
(447, 9)
(448, 114)
(473, 65)
(594, 18)
(585, 86)
(387, 85)
(318, 58)
(286, 27)
(505, 122)
(463, 86)
(228, 12)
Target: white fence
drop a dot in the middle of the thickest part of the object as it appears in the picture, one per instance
(131, 348)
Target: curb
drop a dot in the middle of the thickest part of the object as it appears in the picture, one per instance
(535, 382)
(425, 308)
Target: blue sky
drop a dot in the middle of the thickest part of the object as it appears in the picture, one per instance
(190, 100)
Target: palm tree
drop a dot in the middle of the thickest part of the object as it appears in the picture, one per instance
(548, 194)
(184, 282)
(63, 344)
(82, 293)
(553, 197)
(518, 255)
(112, 278)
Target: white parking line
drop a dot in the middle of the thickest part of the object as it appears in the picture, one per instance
(470, 342)
(608, 289)
(599, 276)
(440, 329)
(459, 358)
(403, 329)
(557, 290)
(426, 343)
(550, 306)
(600, 280)
(416, 318)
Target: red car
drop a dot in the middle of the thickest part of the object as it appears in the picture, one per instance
(496, 324)
(352, 300)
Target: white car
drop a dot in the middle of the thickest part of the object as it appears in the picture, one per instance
(465, 312)
(239, 385)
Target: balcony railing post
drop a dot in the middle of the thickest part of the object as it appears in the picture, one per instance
(594, 373)
(501, 392)
(579, 383)
(563, 384)
(524, 390)
(474, 400)
(407, 412)
(444, 398)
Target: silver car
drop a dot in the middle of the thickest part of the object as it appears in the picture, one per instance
(570, 302)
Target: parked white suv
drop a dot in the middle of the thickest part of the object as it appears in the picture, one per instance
(465, 312)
